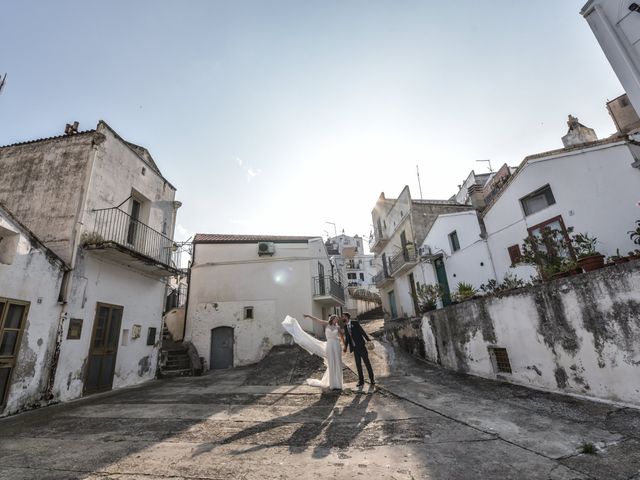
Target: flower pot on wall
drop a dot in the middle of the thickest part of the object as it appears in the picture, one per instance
(592, 262)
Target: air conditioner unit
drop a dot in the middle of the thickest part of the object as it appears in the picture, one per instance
(266, 248)
(424, 251)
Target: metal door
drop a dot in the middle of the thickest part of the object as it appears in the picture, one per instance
(104, 348)
(13, 314)
(221, 347)
(441, 274)
(392, 304)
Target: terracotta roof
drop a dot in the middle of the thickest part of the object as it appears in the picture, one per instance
(228, 238)
(84, 132)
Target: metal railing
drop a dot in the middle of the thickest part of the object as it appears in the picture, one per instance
(112, 225)
(401, 258)
(381, 277)
(328, 286)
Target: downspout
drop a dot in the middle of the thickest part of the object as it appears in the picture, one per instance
(186, 306)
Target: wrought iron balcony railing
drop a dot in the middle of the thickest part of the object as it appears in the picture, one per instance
(116, 227)
(324, 286)
(402, 258)
(381, 278)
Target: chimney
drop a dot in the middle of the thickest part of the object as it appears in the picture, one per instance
(578, 133)
(476, 197)
(71, 129)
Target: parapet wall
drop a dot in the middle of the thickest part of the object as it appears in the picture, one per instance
(577, 335)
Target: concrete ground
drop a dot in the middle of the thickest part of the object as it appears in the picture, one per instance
(262, 422)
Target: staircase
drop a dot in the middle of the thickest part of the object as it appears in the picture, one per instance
(175, 362)
(372, 314)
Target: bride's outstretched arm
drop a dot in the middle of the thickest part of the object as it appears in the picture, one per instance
(322, 322)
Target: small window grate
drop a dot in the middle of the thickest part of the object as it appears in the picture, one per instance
(500, 359)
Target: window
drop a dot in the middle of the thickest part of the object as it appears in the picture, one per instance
(500, 359)
(352, 276)
(362, 276)
(151, 336)
(555, 243)
(248, 313)
(453, 240)
(75, 329)
(515, 254)
(538, 200)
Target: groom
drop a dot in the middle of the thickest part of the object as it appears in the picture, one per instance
(355, 337)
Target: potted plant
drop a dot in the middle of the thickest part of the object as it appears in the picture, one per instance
(551, 253)
(617, 259)
(585, 247)
(635, 255)
(428, 296)
(464, 292)
(634, 235)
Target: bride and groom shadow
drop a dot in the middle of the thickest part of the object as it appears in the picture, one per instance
(322, 426)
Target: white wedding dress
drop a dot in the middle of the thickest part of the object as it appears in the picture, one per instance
(330, 350)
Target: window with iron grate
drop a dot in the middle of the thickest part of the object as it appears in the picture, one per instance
(500, 359)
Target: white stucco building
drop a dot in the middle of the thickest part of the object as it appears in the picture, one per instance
(400, 227)
(30, 279)
(616, 26)
(242, 286)
(593, 187)
(357, 269)
(101, 205)
(455, 251)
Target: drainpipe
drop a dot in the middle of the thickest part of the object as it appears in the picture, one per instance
(186, 306)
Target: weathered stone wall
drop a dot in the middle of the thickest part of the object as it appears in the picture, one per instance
(577, 335)
(42, 184)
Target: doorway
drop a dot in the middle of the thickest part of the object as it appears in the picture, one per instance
(13, 314)
(134, 218)
(441, 275)
(392, 304)
(104, 348)
(221, 355)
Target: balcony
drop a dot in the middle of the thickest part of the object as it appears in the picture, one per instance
(328, 291)
(378, 241)
(117, 236)
(382, 278)
(403, 261)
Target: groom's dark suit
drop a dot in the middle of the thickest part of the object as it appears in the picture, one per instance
(356, 337)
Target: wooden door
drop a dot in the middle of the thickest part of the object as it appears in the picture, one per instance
(441, 275)
(13, 315)
(104, 348)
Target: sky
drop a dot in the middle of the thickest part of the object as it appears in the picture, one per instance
(277, 116)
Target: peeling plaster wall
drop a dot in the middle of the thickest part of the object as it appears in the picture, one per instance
(42, 185)
(142, 297)
(117, 171)
(234, 276)
(31, 276)
(577, 335)
(253, 338)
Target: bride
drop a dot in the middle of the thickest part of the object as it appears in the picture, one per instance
(330, 350)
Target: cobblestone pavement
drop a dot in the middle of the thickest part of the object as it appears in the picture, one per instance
(262, 423)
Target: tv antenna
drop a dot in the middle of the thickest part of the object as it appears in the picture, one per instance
(489, 162)
(2, 81)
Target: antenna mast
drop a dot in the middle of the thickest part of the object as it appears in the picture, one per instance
(419, 185)
(2, 81)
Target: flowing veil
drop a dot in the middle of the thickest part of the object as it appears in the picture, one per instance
(311, 345)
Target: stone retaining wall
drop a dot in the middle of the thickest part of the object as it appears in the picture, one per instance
(576, 335)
